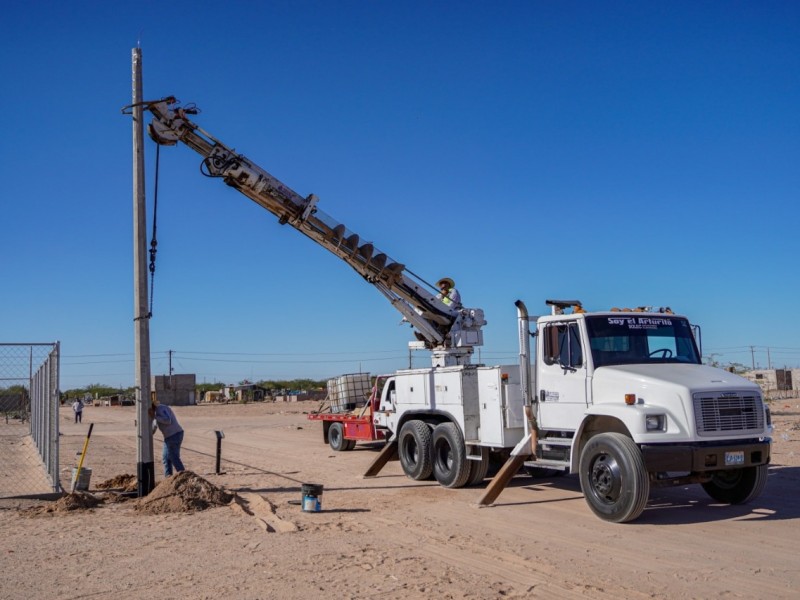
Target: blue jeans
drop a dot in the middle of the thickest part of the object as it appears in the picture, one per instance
(171, 454)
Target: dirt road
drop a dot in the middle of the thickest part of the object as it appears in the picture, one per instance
(387, 537)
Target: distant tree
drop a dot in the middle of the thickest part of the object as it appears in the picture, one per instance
(15, 389)
(293, 384)
(98, 389)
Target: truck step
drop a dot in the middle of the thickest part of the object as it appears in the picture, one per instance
(555, 441)
(545, 463)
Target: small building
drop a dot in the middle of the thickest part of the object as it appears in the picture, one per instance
(247, 392)
(109, 400)
(175, 390)
(301, 396)
(213, 396)
(776, 383)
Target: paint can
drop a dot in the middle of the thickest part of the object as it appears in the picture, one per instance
(81, 482)
(311, 497)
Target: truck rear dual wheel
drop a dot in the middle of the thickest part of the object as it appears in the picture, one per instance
(337, 440)
(613, 477)
(451, 467)
(737, 486)
(414, 447)
(478, 468)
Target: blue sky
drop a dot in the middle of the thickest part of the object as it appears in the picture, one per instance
(620, 153)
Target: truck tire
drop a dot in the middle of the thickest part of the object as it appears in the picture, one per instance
(350, 444)
(414, 448)
(613, 477)
(478, 468)
(737, 486)
(450, 465)
(336, 438)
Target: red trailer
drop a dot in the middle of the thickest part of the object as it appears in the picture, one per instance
(343, 429)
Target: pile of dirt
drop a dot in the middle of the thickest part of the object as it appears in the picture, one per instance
(123, 483)
(184, 492)
(65, 504)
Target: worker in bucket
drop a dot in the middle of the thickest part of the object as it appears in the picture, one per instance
(164, 419)
(448, 293)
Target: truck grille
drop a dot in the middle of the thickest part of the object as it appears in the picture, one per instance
(719, 414)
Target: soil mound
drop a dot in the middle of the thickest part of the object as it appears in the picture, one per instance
(184, 492)
(124, 483)
(65, 504)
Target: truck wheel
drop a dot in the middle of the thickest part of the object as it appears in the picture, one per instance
(414, 448)
(350, 444)
(737, 486)
(336, 437)
(613, 477)
(450, 465)
(478, 468)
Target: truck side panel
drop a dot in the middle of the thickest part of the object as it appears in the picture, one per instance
(501, 406)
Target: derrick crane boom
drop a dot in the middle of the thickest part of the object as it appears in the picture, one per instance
(450, 332)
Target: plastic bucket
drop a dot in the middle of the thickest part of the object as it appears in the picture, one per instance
(311, 497)
(83, 480)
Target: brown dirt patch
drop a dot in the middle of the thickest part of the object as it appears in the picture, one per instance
(184, 492)
(123, 483)
(65, 504)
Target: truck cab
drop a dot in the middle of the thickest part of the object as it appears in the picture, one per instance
(624, 391)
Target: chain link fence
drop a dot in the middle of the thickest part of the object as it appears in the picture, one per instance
(29, 401)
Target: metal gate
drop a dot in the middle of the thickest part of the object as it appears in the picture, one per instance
(29, 401)
(784, 377)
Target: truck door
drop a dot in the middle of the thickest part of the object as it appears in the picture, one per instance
(561, 375)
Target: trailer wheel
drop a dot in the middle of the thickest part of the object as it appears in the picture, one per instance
(414, 448)
(450, 465)
(336, 437)
(613, 477)
(737, 486)
(478, 468)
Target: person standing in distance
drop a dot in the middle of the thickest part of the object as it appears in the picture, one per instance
(448, 293)
(164, 419)
(77, 407)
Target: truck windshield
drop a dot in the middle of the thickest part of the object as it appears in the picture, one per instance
(628, 340)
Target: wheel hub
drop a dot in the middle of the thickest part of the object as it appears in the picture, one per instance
(605, 477)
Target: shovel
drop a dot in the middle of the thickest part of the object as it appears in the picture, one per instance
(83, 455)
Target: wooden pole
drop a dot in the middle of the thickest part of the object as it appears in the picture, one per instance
(144, 466)
(388, 453)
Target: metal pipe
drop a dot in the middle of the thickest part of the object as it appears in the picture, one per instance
(524, 352)
(220, 435)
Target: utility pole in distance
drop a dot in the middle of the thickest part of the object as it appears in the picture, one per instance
(144, 467)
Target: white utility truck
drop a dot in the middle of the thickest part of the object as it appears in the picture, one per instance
(619, 397)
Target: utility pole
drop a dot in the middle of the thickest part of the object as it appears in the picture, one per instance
(753, 358)
(769, 360)
(144, 467)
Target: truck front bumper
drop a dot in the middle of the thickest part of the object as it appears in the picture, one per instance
(700, 458)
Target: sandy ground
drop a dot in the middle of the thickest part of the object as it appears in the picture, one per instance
(387, 537)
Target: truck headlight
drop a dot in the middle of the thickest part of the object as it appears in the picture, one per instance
(655, 422)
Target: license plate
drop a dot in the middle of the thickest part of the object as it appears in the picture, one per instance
(734, 458)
